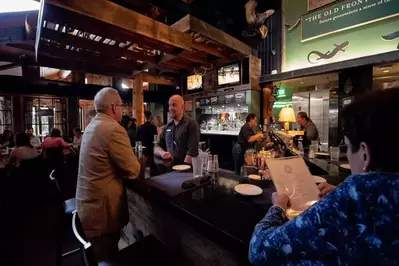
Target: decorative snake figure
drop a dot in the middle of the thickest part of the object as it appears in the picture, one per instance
(328, 54)
(256, 20)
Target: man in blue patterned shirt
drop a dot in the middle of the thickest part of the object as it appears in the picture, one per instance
(357, 223)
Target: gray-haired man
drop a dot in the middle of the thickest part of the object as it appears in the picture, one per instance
(106, 158)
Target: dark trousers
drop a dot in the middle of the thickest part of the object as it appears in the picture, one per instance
(238, 156)
(105, 246)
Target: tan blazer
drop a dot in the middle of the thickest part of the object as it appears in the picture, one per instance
(106, 158)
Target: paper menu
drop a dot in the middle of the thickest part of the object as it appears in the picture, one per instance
(292, 176)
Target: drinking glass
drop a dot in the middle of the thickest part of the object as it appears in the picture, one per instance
(156, 139)
(314, 145)
(197, 169)
(334, 154)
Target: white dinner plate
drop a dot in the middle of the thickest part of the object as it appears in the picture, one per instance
(182, 167)
(254, 177)
(319, 179)
(319, 153)
(248, 190)
(345, 166)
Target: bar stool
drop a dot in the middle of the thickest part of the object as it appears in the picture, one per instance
(67, 208)
(146, 252)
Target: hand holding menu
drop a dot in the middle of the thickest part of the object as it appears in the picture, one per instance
(292, 176)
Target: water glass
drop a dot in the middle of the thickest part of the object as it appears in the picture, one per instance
(334, 154)
(314, 145)
(197, 169)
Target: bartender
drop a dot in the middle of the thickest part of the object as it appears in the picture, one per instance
(246, 140)
(179, 139)
(310, 129)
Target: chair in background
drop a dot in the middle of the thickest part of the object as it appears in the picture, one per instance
(54, 159)
(66, 208)
(146, 252)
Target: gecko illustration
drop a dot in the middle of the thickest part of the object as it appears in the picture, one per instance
(392, 36)
(328, 54)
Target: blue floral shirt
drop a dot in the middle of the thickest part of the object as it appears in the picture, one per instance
(356, 224)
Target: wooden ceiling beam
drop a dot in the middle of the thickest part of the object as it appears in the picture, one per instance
(200, 58)
(156, 79)
(192, 24)
(204, 48)
(82, 56)
(127, 19)
(90, 25)
(178, 64)
(115, 50)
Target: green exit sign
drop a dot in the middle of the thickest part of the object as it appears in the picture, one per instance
(281, 93)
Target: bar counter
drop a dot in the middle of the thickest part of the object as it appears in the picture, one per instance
(210, 225)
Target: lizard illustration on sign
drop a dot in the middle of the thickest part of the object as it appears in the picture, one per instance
(328, 54)
(392, 36)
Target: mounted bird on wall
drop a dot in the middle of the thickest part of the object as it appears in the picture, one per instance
(256, 20)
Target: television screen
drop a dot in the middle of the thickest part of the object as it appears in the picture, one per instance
(194, 82)
(229, 74)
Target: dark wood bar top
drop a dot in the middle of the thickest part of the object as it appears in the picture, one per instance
(215, 210)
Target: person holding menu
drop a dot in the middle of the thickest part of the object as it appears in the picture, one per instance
(246, 140)
(356, 223)
(179, 139)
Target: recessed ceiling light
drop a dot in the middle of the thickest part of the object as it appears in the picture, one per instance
(301, 82)
(386, 71)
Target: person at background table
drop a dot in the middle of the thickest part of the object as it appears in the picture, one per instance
(146, 132)
(34, 140)
(132, 131)
(357, 223)
(23, 150)
(310, 130)
(106, 159)
(54, 141)
(6, 140)
(179, 139)
(159, 124)
(77, 138)
(246, 140)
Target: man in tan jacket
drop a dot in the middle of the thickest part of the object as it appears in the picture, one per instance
(106, 159)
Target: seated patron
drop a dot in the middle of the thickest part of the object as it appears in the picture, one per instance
(34, 140)
(6, 139)
(54, 143)
(23, 150)
(77, 138)
(356, 223)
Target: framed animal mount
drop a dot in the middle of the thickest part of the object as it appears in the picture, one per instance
(314, 4)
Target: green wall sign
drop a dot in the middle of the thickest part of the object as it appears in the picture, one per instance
(345, 15)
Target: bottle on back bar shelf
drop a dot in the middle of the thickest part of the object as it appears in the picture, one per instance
(209, 168)
(215, 164)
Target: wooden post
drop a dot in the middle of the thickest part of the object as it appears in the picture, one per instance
(31, 72)
(138, 99)
(78, 77)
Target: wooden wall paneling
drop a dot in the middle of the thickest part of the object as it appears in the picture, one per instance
(255, 68)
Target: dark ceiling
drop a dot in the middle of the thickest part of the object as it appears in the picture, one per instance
(226, 15)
